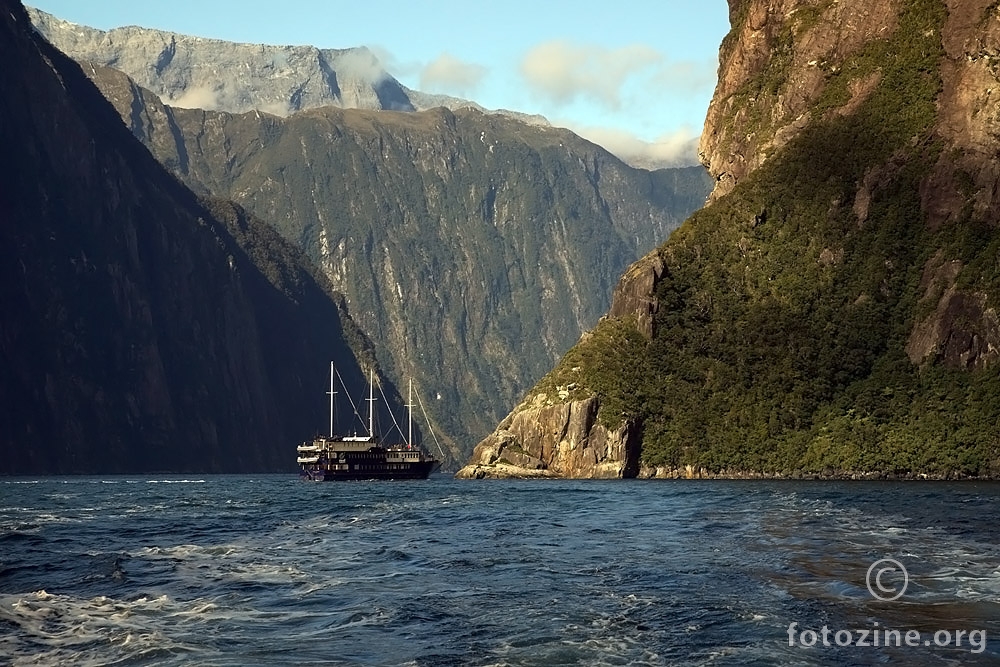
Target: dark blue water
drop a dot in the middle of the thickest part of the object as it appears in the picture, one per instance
(239, 570)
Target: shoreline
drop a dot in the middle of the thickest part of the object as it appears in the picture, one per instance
(506, 471)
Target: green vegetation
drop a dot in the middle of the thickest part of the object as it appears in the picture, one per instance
(808, 17)
(783, 314)
(614, 350)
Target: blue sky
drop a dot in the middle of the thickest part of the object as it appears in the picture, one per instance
(634, 76)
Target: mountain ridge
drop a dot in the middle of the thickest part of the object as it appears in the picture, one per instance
(184, 71)
(240, 77)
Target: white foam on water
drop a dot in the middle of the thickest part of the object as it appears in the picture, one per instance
(226, 563)
(235, 585)
(61, 629)
(175, 481)
(46, 518)
(57, 630)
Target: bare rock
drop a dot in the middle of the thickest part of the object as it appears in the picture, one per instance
(635, 293)
(212, 74)
(961, 331)
(563, 439)
(773, 67)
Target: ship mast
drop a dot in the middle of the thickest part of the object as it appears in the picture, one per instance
(332, 393)
(371, 403)
(409, 413)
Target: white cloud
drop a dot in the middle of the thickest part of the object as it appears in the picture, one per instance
(449, 74)
(563, 72)
(672, 149)
(616, 96)
(686, 77)
(360, 63)
(396, 67)
(196, 98)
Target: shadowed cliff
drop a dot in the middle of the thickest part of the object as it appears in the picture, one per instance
(142, 329)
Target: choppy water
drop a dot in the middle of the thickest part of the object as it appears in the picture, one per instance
(239, 570)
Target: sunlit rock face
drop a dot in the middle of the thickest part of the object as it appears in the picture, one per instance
(553, 437)
(199, 73)
(783, 56)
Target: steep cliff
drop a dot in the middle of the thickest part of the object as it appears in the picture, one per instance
(788, 65)
(474, 249)
(833, 311)
(142, 329)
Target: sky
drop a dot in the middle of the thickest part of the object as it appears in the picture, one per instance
(634, 76)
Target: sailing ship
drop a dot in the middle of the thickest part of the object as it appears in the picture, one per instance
(363, 457)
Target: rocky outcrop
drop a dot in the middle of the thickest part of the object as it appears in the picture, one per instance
(965, 180)
(634, 295)
(783, 59)
(558, 433)
(555, 437)
(960, 331)
(775, 64)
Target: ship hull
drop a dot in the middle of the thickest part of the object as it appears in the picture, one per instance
(418, 470)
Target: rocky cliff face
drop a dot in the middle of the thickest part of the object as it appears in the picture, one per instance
(968, 121)
(473, 248)
(787, 65)
(142, 329)
(553, 437)
(775, 64)
(833, 311)
(195, 72)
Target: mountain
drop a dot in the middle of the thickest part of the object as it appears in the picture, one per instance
(196, 72)
(204, 73)
(472, 248)
(425, 101)
(143, 329)
(833, 311)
